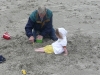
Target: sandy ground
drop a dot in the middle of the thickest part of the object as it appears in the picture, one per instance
(81, 18)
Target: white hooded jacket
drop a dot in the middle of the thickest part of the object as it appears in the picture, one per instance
(58, 45)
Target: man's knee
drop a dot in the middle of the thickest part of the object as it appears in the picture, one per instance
(54, 38)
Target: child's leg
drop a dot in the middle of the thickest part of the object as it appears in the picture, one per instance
(40, 50)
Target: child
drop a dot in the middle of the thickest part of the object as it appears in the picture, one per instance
(58, 46)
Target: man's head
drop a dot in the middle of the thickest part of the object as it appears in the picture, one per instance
(41, 11)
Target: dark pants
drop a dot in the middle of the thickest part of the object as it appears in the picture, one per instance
(51, 35)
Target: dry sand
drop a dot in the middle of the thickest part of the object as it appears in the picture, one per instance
(81, 18)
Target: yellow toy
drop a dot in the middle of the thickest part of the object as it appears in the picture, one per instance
(24, 72)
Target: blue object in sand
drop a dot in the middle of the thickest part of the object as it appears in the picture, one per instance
(2, 59)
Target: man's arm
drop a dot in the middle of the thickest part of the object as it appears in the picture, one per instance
(29, 27)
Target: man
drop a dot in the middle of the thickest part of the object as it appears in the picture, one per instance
(40, 25)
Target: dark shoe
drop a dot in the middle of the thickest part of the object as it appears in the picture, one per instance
(2, 59)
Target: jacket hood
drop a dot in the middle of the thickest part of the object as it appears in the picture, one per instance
(63, 32)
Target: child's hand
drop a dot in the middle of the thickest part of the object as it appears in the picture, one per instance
(65, 51)
(65, 54)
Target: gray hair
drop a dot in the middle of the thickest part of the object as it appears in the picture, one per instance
(42, 9)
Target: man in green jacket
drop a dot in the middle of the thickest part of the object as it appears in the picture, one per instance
(40, 25)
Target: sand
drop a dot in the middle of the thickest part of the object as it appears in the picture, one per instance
(81, 18)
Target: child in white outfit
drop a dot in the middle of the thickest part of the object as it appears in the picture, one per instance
(58, 46)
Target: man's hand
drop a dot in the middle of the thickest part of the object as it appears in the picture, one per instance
(40, 37)
(31, 39)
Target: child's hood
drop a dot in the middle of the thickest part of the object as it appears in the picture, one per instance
(62, 31)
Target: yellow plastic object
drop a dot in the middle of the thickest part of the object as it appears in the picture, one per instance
(33, 43)
(24, 72)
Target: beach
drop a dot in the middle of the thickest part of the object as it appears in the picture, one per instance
(81, 18)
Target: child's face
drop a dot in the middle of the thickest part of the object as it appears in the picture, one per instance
(58, 34)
